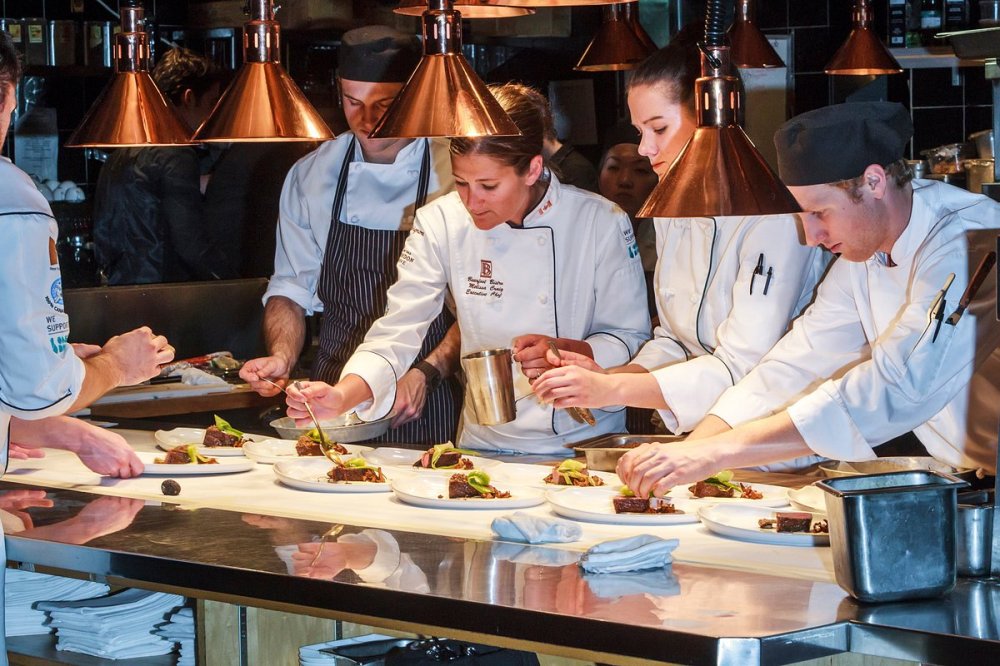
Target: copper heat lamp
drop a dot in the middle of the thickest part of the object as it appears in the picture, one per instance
(470, 9)
(863, 53)
(263, 103)
(749, 47)
(443, 97)
(131, 110)
(631, 12)
(616, 46)
(718, 172)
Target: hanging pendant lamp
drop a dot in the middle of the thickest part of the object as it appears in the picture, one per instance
(718, 172)
(863, 53)
(616, 46)
(749, 47)
(443, 96)
(263, 103)
(470, 9)
(131, 110)
(631, 13)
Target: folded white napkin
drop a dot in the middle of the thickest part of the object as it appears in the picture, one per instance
(521, 526)
(632, 554)
(196, 377)
(657, 582)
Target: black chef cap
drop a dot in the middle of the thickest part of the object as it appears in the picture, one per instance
(839, 142)
(377, 53)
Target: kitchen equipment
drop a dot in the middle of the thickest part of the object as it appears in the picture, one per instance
(489, 386)
(62, 43)
(973, 539)
(97, 43)
(602, 453)
(579, 414)
(346, 428)
(989, 13)
(977, 172)
(956, 179)
(918, 167)
(984, 143)
(839, 468)
(893, 535)
(35, 48)
(947, 158)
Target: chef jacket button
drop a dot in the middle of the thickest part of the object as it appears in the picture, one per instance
(355, 219)
(695, 298)
(543, 299)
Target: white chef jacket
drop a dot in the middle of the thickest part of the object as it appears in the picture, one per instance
(40, 375)
(572, 270)
(378, 196)
(860, 366)
(712, 329)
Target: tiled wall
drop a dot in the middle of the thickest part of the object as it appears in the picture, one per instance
(947, 105)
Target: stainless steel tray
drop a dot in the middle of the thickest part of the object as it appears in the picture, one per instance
(602, 453)
(981, 43)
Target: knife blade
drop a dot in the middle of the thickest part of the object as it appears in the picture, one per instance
(974, 284)
(580, 414)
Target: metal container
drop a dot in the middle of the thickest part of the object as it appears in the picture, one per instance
(489, 386)
(838, 468)
(36, 51)
(918, 167)
(62, 43)
(346, 428)
(602, 453)
(973, 539)
(97, 43)
(984, 143)
(893, 535)
(977, 173)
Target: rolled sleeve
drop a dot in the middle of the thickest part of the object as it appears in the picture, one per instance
(377, 372)
(690, 389)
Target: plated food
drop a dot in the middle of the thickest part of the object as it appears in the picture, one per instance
(413, 459)
(572, 473)
(275, 450)
(794, 521)
(444, 456)
(309, 445)
(313, 475)
(185, 454)
(222, 434)
(474, 485)
(627, 502)
(742, 521)
(722, 485)
(355, 470)
(220, 439)
(596, 505)
(220, 466)
(459, 491)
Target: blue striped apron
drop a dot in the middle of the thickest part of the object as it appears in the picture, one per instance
(359, 265)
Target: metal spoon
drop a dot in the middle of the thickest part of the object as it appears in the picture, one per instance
(329, 534)
(579, 414)
(324, 443)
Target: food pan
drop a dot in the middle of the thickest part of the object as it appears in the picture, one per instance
(893, 535)
(346, 428)
(602, 453)
(836, 468)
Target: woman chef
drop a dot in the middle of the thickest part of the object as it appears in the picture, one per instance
(725, 288)
(528, 260)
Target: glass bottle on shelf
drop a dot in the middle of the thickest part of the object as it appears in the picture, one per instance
(931, 20)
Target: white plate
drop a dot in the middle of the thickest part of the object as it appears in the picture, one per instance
(168, 439)
(432, 491)
(773, 496)
(524, 474)
(271, 451)
(595, 505)
(809, 498)
(222, 467)
(310, 474)
(399, 457)
(740, 522)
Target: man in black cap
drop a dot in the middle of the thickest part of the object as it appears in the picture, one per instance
(888, 346)
(345, 212)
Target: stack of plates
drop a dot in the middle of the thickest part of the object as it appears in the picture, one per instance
(25, 588)
(119, 626)
(180, 629)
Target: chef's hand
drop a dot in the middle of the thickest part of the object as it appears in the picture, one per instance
(18, 452)
(105, 452)
(275, 368)
(574, 386)
(654, 469)
(411, 396)
(84, 350)
(531, 352)
(327, 401)
(138, 354)
(105, 515)
(15, 502)
(327, 560)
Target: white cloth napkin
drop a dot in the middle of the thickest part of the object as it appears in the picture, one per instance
(521, 526)
(196, 377)
(657, 582)
(632, 554)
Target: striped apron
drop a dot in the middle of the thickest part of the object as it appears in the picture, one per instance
(359, 266)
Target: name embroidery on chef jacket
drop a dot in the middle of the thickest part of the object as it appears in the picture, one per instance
(484, 285)
(631, 244)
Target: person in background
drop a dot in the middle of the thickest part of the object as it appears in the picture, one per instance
(148, 224)
(886, 348)
(41, 374)
(726, 287)
(567, 162)
(346, 210)
(530, 261)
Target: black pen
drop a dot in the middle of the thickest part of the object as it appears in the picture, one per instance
(758, 270)
(767, 283)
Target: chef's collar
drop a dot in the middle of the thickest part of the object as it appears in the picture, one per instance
(913, 235)
(411, 151)
(539, 215)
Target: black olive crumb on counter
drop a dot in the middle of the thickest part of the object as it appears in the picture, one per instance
(170, 487)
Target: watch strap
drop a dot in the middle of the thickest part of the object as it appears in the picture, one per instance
(430, 373)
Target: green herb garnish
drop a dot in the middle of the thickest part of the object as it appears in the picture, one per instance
(195, 457)
(626, 492)
(480, 482)
(723, 480)
(441, 449)
(223, 425)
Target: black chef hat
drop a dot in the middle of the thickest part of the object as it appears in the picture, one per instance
(377, 53)
(839, 142)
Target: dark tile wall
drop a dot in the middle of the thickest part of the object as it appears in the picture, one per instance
(946, 104)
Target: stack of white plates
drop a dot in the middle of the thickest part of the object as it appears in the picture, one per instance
(180, 629)
(313, 655)
(119, 626)
(25, 588)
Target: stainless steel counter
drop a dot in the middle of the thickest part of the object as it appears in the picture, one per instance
(502, 593)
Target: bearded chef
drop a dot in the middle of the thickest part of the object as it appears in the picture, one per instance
(345, 212)
(530, 261)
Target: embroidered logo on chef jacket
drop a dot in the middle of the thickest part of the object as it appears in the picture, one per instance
(53, 255)
(485, 268)
(631, 244)
(54, 299)
(485, 285)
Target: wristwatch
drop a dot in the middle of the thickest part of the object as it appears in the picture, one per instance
(430, 373)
